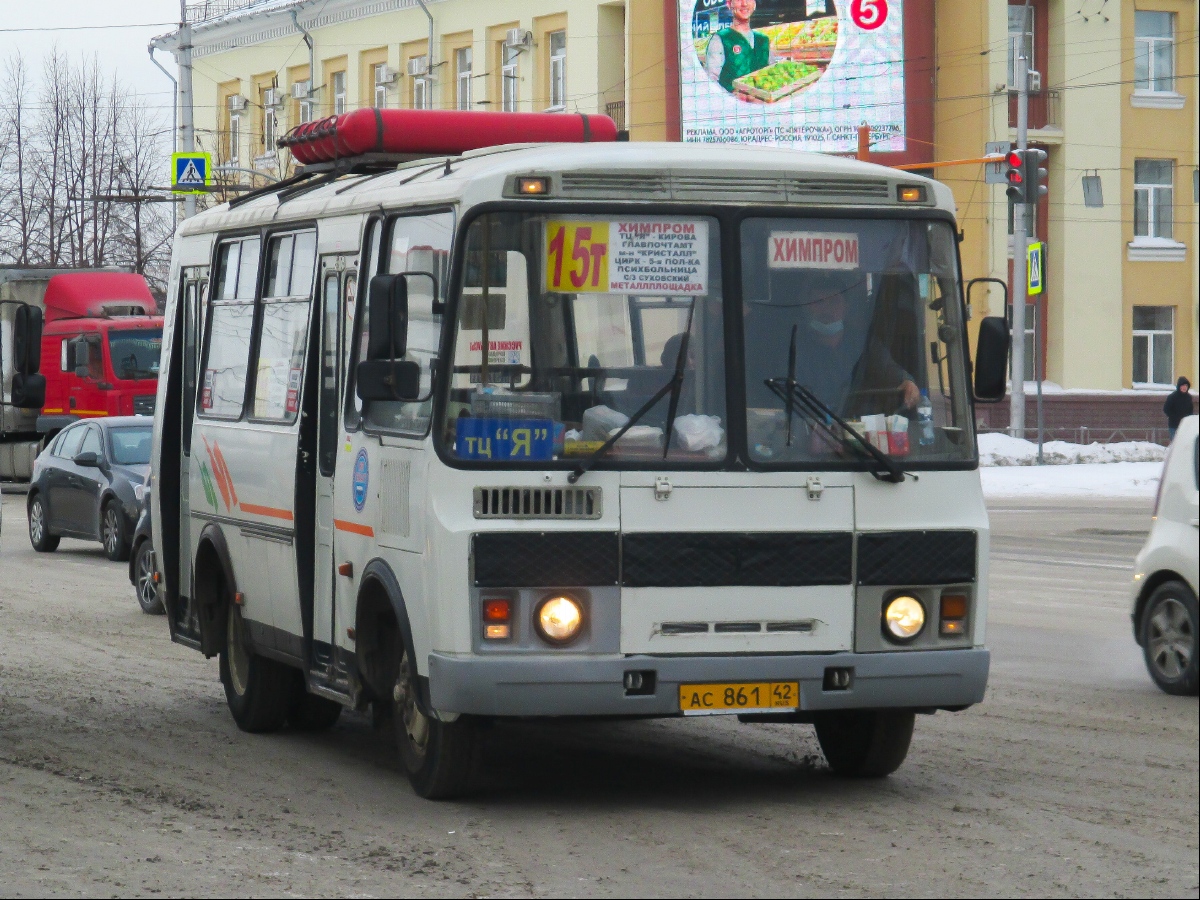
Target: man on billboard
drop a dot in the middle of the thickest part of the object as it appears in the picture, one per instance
(737, 50)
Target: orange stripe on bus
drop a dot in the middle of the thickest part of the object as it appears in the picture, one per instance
(255, 510)
(352, 527)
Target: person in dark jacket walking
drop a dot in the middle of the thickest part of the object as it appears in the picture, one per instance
(1179, 404)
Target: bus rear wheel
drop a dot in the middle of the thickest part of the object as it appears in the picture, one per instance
(260, 692)
(865, 743)
(438, 756)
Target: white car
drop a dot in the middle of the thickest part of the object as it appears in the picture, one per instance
(1165, 573)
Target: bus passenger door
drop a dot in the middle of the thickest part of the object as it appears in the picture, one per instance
(338, 285)
(195, 289)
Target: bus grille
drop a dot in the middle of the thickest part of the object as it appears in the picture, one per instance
(765, 188)
(538, 503)
(916, 557)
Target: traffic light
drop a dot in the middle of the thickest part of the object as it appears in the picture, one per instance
(1015, 176)
(1034, 175)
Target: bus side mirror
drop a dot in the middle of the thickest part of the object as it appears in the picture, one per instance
(387, 301)
(388, 379)
(991, 360)
(28, 391)
(27, 339)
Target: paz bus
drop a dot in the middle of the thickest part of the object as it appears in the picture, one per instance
(490, 416)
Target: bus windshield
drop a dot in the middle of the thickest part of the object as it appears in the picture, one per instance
(135, 352)
(857, 320)
(605, 341)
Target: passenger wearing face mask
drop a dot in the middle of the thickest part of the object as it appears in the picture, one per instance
(834, 359)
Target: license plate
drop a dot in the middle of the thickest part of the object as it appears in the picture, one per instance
(754, 696)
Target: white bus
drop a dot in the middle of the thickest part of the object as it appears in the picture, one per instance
(582, 429)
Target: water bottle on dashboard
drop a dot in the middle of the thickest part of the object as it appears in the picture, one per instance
(925, 419)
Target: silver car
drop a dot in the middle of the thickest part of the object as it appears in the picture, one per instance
(1165, 573)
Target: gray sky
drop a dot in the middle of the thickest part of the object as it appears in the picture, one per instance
(120, 50)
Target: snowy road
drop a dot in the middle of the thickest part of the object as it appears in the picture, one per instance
(122, 773)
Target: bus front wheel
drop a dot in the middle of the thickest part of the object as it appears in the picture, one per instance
(865, 743)
(260, 692)
(438, 756)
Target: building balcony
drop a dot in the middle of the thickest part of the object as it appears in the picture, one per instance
(1044, 110)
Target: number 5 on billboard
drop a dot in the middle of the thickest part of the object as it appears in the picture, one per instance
(868, 14)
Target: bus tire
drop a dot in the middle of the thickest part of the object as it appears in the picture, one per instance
(439, 757)
(39, 527)
(312, 713)
(259, 691)
(865, 743)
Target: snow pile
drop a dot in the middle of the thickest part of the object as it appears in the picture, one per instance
(997, 449)
(1119, 479)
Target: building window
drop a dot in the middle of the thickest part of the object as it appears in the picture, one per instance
(422, 95)
(558, 69)
(305, 106)
(380, 78)
(462, 70)
(509, 77)
(235, 138)
(339, 93)
(270, 120)
(1017, 34)
(1153, 345)
(1153, 198)
(1154, 51)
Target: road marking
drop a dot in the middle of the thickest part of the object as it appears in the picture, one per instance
(1059, 562)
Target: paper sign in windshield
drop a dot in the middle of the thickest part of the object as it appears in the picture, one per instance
(643, 256)
(812, 250)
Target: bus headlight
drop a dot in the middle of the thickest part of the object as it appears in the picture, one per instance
(559, 619)
(903, 618)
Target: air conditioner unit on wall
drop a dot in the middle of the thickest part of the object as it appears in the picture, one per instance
(300, 90)
(418, 66)
(518, 37)
(272, 97)
(235, 102)
(386, 75)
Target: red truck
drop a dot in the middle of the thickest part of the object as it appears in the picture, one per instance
(73, 344)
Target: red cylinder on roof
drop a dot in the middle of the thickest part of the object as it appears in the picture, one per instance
(75, 295)
(435, 132)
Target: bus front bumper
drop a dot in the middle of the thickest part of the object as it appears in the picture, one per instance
(548, 685)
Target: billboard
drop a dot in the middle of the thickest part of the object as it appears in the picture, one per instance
(793, 73)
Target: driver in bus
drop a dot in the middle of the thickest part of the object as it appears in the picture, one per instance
(835, 357)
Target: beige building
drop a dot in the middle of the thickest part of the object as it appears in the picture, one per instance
(1117, 114)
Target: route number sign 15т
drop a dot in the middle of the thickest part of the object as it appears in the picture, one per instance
(627, 256)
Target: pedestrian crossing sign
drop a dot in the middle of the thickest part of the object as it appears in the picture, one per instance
(1036, 267)
(191, 172)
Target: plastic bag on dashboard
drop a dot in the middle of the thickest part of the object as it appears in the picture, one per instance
(599, 421)
(696, 432)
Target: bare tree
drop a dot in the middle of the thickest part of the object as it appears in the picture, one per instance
(76, 170)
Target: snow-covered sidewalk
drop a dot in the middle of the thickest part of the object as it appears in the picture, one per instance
(1119, 479)
(1009, 468)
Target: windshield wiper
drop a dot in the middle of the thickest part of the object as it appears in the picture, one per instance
(672, 387)
(799, 398)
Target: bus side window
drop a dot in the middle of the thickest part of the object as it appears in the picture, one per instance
(418, 244)
(222, 387)
(370, 266)
(283, 340)
(331, 296)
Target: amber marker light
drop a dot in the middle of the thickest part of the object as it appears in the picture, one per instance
(911, 193)
(533, 187)
(954, 615)
(497, 614)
